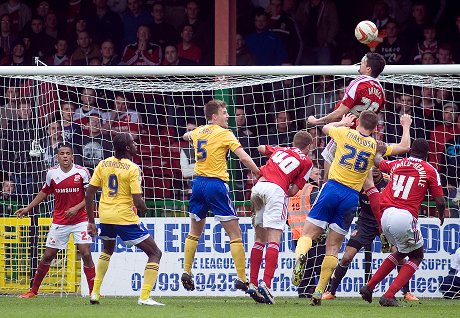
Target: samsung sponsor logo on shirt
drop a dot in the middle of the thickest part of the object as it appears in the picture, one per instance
(68, 190)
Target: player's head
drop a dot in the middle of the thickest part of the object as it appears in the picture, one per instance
(368, 120)
(302, 140)
(377, 175)
(419, 149)
(124, 146)
(372, 64)
(216, 112)
(65, 155)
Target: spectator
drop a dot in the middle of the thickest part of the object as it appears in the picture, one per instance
(285, 26)
(88, 100)
(428, 58)
(172, 57)
(6, 196)
(414, 31)
(454, 38)
(187, 161)
(162, 32)
(324, 99)
(8, 111)
(19, 14)
(19, 57)
(143, 52)
(43, 8)
(54, 138)
(444, 55)
(317, 146)
(429, 44)
(187, 49)
(203, 32)
(380, 17)
(451, 153)
(108, 55)
(243, 56)
(442, 133)
(95, 146)
(72, 35)
(117, 6)
(132, 19)
(281, 133)
(265, 45)
(319, 24)
(6, 37)
(25, 169)
(51, 26)
(72, 131)
(450, 284)
(60, 57)
(41, 44)
(105, 24)
(121, 118)
(393, 48)
(427, 107)
(86, 50)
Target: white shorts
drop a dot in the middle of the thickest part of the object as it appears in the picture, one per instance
(402, 229)
(329, 151)
(272, 210)
(58, 236)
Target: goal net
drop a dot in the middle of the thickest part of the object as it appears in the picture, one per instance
(87, 107)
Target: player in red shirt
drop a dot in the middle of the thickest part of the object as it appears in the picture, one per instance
(410, 179)
(363, 93)
(287, 171)
(67, 182)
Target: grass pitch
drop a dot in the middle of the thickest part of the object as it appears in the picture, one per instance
(217, 307)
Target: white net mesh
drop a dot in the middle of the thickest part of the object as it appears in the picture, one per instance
(39, 111)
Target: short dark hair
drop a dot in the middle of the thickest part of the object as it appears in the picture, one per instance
(420, 148)
(376, 62)
(120, 142)
(302, 139)
(368, 119)
(64, 145)
(212, 107)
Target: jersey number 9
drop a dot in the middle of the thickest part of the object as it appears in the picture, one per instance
(113, 185)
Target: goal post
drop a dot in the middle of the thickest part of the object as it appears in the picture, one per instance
(42, 105)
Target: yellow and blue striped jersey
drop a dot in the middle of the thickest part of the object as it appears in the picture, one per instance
(212, 144)
(353, 158)
(119, 180)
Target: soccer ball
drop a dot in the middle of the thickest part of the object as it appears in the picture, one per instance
(366, 32)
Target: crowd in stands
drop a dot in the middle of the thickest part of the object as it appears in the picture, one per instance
(270, 32)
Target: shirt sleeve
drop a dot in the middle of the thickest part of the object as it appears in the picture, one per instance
(336, 133)
(302, 178)
(48, 187)
(434, 184)
(96, 178)
(269, 150)
(388, 151)
(86, 177)
(135, 180)
(230, 140)
(384, 166)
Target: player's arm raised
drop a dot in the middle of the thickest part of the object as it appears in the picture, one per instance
(404, 145)
(247, 160)
(347, 120)
(36, 201)
(335, 116)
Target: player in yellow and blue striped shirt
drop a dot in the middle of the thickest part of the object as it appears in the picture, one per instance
(120, 180)
(338, 200)
(213, 143)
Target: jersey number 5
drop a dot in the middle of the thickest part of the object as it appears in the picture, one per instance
(201, 152)
(360, 158)
(113, 185)
(401, 186)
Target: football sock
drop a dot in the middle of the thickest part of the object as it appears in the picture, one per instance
(257, 252)
(339, 273)
(191, 243)
(405, 288)
(327, 268)
(101, 269)
(387, 266)
(404, 275)
(90, 273)
(42, 269)
(374, 201)
(150, 277)
(271, 260)
(303, 246)
(237, 250)
(367, 264)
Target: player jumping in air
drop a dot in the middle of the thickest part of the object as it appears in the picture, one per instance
(410, 178)
(67, 182)
(286, 172)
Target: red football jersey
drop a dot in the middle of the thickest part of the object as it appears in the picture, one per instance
(69, 190)
(286, 166)
(410, 178)
(363, 93)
